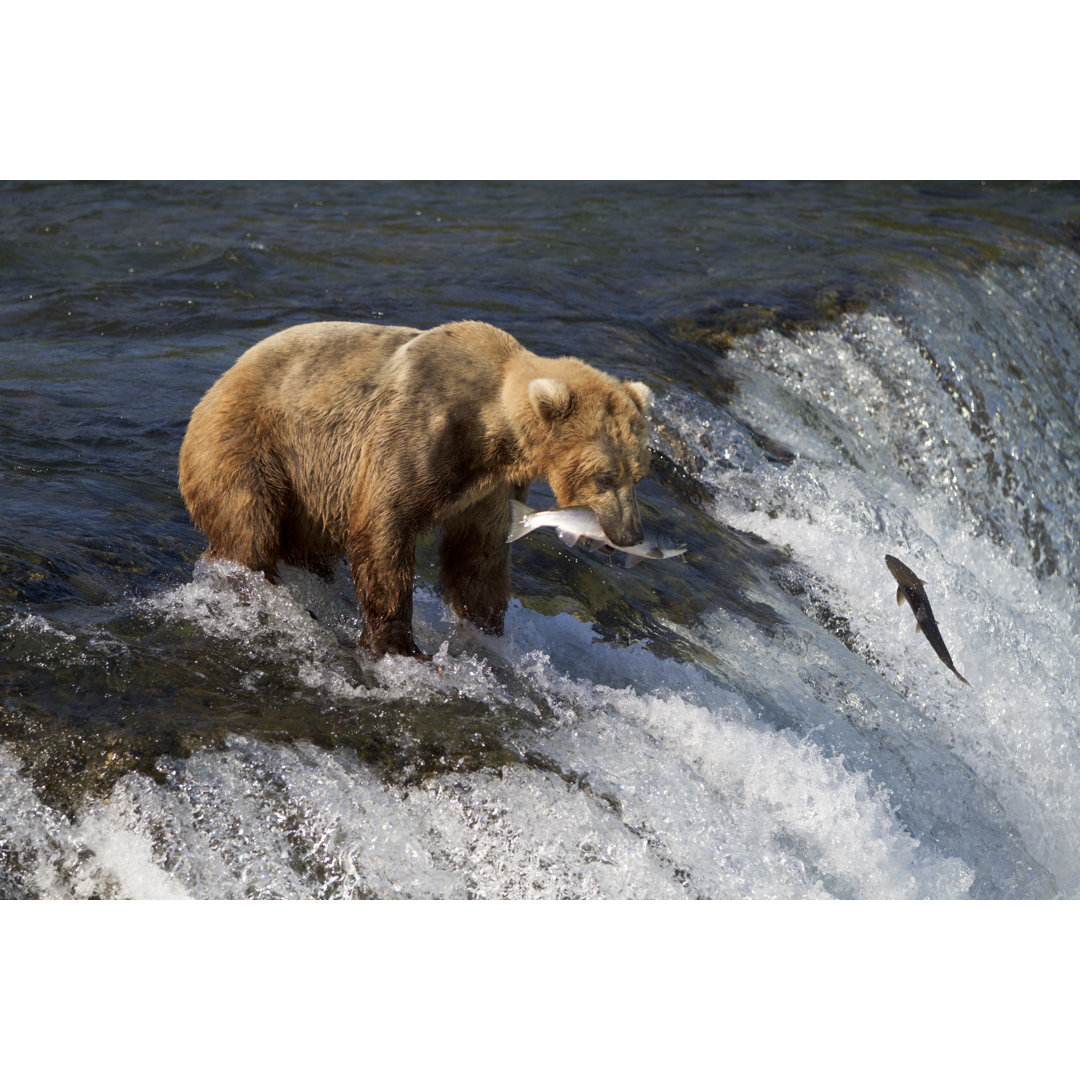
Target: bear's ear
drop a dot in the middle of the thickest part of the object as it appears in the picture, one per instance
(641, 395)
(551, 399)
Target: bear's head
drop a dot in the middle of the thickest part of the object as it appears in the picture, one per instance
(595, 432)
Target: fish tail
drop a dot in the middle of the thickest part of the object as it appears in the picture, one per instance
(519, 526)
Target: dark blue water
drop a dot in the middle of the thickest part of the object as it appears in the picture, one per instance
(842, 372)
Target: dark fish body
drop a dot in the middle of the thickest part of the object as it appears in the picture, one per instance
(911, 589)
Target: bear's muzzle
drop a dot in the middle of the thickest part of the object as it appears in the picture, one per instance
(619, 518)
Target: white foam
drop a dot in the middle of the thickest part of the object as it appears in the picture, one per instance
(646, 795)
(30, 623)
(57, 858)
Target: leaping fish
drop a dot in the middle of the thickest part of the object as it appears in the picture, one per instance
(578, 521)
(911, 589)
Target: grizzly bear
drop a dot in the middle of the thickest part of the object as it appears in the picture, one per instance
(343, 437)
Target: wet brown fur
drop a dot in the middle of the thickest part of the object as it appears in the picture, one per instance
(347, 437)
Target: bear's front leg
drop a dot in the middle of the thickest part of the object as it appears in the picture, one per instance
(474, 562)
(382, 563)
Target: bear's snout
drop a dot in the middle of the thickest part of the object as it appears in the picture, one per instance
(624, 537)
(620, 520)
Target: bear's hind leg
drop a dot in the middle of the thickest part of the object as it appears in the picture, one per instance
(240, 512)
(253, 540)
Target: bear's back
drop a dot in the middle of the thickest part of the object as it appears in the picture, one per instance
(315, 363)
(295, 360)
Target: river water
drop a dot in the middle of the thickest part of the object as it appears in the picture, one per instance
(841, 372)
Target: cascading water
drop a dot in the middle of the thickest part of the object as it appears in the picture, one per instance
(759, 721)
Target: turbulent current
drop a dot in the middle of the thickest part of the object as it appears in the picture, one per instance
(841, 372)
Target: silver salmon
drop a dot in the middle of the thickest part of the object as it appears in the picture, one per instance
(579, 522)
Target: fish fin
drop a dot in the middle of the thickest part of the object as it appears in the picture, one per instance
(900, 595)
(961, 677)
(918, 628)
(568, 538)
(923, 581)
(632, 560)
(518, 525)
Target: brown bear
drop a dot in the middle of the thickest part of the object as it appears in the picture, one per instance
(343, 437)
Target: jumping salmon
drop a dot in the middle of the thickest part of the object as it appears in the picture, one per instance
(578, 521)
(911, 589)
